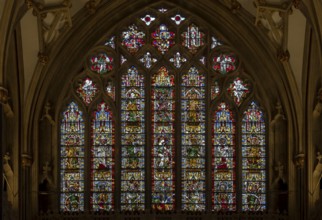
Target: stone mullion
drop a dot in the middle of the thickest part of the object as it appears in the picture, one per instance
(148, 142)
(117, 134)
(178, 146)
(209, 124)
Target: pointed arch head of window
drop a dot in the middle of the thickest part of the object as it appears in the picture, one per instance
(253, 159)
(72, 159)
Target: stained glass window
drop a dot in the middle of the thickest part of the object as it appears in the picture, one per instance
(101, 63)
(193, 140)
(253, 159)
(87, 90)
(72, 159)
(133, 141)
(102, 159)
(161, 123)
(225, 63)
(163, 39)
(133, 39)
(238, 90)
(163, 140)
(110, 89)
(224, 160)
(193, 38)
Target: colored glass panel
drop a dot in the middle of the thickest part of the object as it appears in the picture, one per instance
(102, 159)
(87, 90)
(225, 63)
(215, 43)
(253, 159)
(101, 63)
(133, 141)
(111, 42)
(224, 160)
(193, 140)
(193, 38)
(215, 90)
(238, 90)
(163, 39)
(148, 60)
(110, 89)
(163, 106)
(178, 19)
(123, 59)
(133, 39)
(177, 60)
(147, 19)
(72, 160)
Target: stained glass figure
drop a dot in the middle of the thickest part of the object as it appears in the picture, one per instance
(253, 159)
(102, 159)
(110, 89)
(224, 160)
(193, 38)
(163, 39)
(123, 59)
(133, 141)
(133, 39)
(72, 159)
(193, 140)
(87, 90)
(215, 43)
(238, 90)
(215, 90)
(163, 140)
(163, 10)
(101, 63)
(225, 63)
(111, 42)
(178, 19)
(177, 60)
(147, 60)
(147, 19)
(203, 60)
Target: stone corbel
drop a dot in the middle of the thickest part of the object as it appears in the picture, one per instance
(233, 5)
(317, 173)
(47, 115)
(297, 3)
(274, 18)
(46, 169)
(299, 160)
(9, 177)
(52, 21)
(279, 115)
(26, 160)
(4, 102)
(92, 5)
(318, 107)
(280, 169)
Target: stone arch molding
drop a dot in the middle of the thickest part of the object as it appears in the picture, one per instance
(67, 56)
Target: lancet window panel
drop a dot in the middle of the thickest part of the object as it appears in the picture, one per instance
(165, 113)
